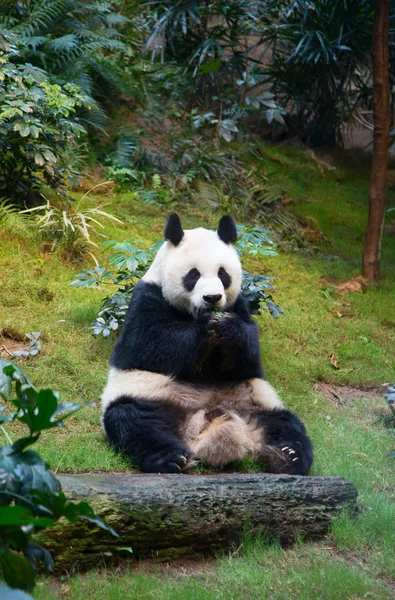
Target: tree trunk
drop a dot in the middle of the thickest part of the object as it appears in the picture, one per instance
(382, 123)
(170, 515)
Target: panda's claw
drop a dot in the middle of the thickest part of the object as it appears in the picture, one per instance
(285, 448)
(184, 459)
(295, 459)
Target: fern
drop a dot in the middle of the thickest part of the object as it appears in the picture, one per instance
(6, 210)
(73, 41)
(65, 43)
(43, 14)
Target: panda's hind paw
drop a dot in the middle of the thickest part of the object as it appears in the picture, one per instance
(173, 462)
(289, 453)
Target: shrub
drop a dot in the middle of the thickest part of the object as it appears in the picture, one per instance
(37, 121)
(320, 67)
(70, 226)
(76, 42)
(31, 498)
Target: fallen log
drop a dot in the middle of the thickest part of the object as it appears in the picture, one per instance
(178, 514)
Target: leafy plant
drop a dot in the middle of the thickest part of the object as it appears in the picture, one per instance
(126, 178)
(37, 120)
(34, 346)
(254, 241)
(7, 211)
(255, 289)
(128, 263)
(319, 67)
(76, 42)
(157, 196)
(207, 38)
(31, 498)
(64, 223)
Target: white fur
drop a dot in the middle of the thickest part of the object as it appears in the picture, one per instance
(154, 386)
(265, 395)
(141, 384)
(199, 249)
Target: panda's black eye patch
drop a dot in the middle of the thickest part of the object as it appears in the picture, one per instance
(189, 280)
(224, 277)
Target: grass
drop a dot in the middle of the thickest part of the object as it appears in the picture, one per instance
(358, 558)
(307, 572)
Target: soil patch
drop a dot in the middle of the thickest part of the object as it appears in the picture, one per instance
(357, 284)
(344, 395)
(11, 342)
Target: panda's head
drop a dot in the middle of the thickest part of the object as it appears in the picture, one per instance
(198, 269)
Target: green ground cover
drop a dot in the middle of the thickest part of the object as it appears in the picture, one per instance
(356, 329)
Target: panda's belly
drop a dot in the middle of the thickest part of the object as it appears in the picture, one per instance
(222, 436)
(225, 428)
(218, 423)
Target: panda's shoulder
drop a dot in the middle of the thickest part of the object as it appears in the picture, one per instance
(146, 292)
(147, 298)
(241, 307)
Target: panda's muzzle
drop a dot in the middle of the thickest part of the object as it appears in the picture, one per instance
(212, 299)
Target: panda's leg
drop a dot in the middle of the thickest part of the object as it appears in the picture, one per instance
(147, 431)
(287, 448)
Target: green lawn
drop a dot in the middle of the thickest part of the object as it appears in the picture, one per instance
(358, 558)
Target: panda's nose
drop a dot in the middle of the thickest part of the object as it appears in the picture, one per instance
(212, 299)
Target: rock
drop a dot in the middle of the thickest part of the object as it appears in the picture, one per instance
(180, 514)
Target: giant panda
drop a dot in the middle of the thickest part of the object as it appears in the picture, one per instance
(186, 381)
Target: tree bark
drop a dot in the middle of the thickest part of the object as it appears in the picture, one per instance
(382, 123)
(170, 515)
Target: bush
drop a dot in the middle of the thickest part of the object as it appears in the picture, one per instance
(37, 121)
(31, 498)
(320, 67)
(69, 226)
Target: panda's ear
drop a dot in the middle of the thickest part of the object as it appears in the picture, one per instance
(173, 230)
(227, 231)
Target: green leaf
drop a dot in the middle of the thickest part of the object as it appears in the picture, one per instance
(5, 385)
(15, 373)
(20, 516)
(8, 417)
(38, 555)
(24, 471)
(131, 264)
(24, 131)
(210, 67)
(17, 570)
(46, 403)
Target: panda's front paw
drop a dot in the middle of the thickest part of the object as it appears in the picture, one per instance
(171, 462)
(230, 330)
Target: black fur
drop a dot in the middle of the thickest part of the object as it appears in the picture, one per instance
(173, 229)
(227, 231)
(286, 432)
(224, 277)
(157, 337)
(148, 433)
(190, 279)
